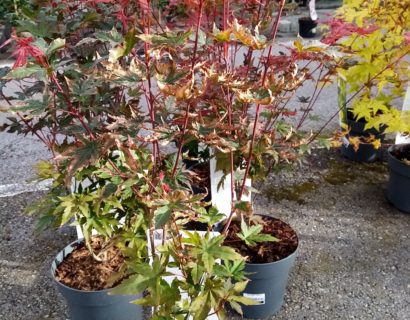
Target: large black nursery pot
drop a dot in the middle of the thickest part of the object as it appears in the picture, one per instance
(398, 188)
(366, 152)
(95, 305)
(267, 285)
(307, 27)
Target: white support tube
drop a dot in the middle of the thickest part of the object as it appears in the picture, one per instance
(400, 138)
(221, 198)
(312, 10)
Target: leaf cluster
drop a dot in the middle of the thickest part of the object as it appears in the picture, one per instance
(376, 47)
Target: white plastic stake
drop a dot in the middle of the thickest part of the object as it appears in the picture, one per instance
(177, 273)
(221, 198)
(312, 10)
(400, 138)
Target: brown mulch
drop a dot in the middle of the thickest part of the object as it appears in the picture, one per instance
(81, 271)
(202, 178)
(265, 252)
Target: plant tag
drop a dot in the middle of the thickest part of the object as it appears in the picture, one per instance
(258, 297)
(345, 142)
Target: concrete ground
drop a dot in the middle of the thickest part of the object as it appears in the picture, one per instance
(353, 260)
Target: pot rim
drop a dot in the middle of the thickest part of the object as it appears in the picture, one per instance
(53, 269)
(396, 146)
(395, 165)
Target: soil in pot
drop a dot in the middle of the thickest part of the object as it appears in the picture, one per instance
(402, 154)
(202, 180)
(79, 270)
(201, 184)
(265, 252)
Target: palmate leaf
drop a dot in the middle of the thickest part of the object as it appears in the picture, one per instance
(83, 156)
(147, 276)
(201, 306)
(252, 235)
(162, 216)
(261, 96)
(211, 296)
(211, 249)
(167, 38)
(112, 36)
(221, 36)
(40, 28)
(82, 90)
(35, 107)
(89, 152)
(55, 45)
(211, 216)
(234, 270)
(33, 71)
(166, 296)
(246, 37)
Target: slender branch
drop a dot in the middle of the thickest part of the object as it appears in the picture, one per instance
(186, 118)
(256, 120)
(355, 95)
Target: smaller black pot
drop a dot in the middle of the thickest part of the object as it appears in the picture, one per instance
(307, 27)
(95, 305)
(398, 188)
(366, 152)
(303, 3)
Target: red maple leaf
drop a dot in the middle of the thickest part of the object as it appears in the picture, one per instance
(25, 49)
(340, 29)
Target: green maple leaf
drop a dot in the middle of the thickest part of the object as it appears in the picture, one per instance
(252, 235)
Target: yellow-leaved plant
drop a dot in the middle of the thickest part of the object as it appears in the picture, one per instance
(374, 35)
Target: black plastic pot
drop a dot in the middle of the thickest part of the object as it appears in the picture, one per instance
(366, 152)
(307, 27)
(95, 305)
(267, 285)
(398, 188)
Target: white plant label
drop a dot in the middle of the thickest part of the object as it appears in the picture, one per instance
(345, 142)
(258, 297)
(402, 138)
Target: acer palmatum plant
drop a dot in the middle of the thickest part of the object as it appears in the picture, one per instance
(374, 38)
(107, 85)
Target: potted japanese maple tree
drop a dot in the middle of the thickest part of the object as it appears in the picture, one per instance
(89, 82)
(114, 83)
(373, 75)
(376, 36)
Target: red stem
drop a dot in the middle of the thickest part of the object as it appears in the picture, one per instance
(186, 118)
(249, 159)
